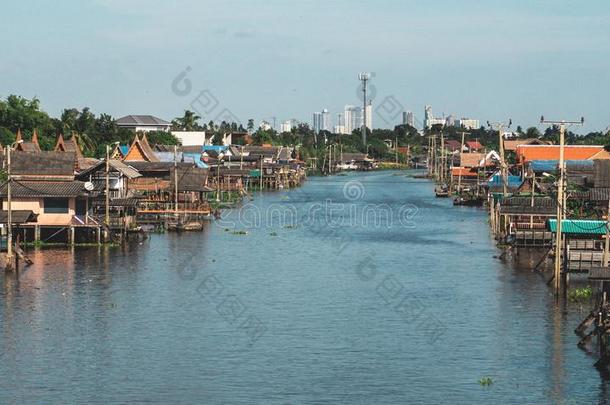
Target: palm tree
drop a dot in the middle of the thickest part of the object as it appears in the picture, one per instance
(188, 122)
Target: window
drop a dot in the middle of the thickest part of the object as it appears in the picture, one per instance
(56, 206)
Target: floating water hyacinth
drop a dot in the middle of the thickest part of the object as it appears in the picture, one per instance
(486, 381)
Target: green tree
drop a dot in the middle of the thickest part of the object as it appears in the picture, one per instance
(188, 122)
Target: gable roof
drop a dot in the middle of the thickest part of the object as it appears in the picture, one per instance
(452, 145)
(463, 172)
(476, 145)
(140, 151)
(27, 146)
(70, 145)
(471, 159)
(527, 153)
(43, 164)
(116, 165)
(141, 121)
(39, 189)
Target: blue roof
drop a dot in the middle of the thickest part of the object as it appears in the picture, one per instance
(552, 165)
(217, 148)
(512, 181)
(579, 226)
(124, 149)
(168, 156)
(196, 159)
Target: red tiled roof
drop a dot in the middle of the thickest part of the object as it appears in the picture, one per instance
(476, 145)
(471, 159)
(463, 171)
(452, 145)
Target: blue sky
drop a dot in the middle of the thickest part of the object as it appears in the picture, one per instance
(491, 60)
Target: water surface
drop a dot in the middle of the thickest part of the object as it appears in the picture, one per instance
(358, 289)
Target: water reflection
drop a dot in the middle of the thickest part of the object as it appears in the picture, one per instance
(130, 324)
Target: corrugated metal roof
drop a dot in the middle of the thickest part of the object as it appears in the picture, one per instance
(579, 226)
(17, 216)
(526, 153)
(512, 181)
(194, 158)
(553, 165)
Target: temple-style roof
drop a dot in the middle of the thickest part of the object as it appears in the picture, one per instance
(70, 145)
(27, 146)
(140, 151)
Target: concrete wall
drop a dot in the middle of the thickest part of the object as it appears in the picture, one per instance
(37, 206)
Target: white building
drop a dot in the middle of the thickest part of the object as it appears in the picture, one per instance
(408, 118)
(354, 119)
(192, 138)
(468, 123)
(143, 123)
(287, 125)
(429, 119)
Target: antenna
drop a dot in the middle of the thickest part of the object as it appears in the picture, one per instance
(364, 77)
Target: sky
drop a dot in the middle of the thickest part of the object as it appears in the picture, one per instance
(490, 60)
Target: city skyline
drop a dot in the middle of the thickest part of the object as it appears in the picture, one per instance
(505, 59)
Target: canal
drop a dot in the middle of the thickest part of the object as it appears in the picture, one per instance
(353, 289)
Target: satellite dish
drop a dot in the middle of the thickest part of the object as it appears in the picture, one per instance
(89, 186)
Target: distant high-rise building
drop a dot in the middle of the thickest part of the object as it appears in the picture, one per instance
(287, 125)
(410, 119)
(321, 121)
(354, 119)
(429, 119)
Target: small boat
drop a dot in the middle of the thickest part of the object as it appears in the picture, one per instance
(468, 201)
(441, 192)
(190, 226)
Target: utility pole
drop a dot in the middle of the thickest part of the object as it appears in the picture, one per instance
(503, 167)
(261, 174)
(443, 157)
(364, 77)
(176, 179)
(461, 151)
(107, 210)
(396, 149)
(9, 217)
(606, 257)
(561, 209)
(9, 235)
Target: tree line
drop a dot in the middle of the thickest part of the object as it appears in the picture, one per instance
(93, 132)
